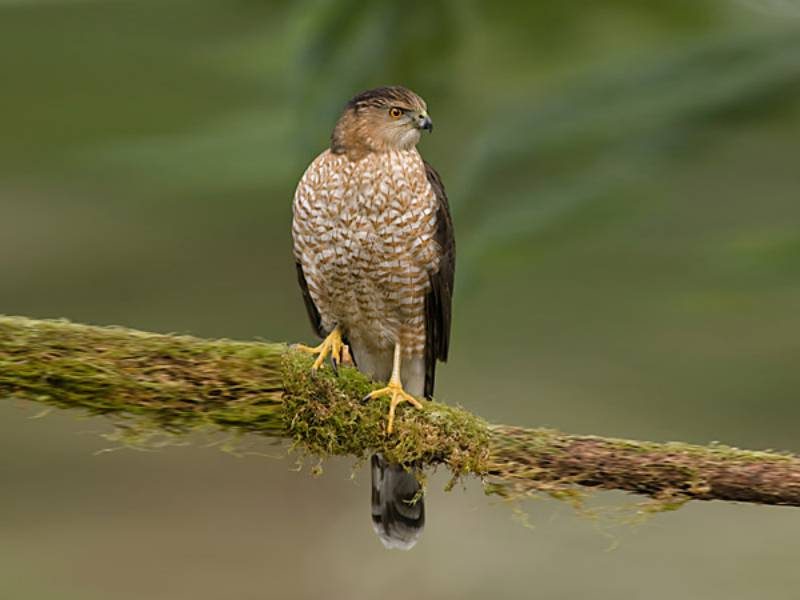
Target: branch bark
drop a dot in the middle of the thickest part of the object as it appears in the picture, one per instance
(156, 384)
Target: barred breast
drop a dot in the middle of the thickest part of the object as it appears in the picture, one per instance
(364, 236)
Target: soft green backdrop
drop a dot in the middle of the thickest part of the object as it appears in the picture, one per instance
(624, 177)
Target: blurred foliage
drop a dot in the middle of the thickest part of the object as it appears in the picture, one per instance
(625, 187)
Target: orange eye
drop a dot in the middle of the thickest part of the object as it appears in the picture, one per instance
(395, 113)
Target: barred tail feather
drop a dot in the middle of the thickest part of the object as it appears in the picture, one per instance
(398, 510)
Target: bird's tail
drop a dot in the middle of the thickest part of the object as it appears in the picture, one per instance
(398, 510)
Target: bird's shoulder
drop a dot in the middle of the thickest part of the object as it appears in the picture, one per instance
(445, 235)
(325, 162)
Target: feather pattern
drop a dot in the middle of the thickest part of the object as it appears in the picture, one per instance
(398, 512)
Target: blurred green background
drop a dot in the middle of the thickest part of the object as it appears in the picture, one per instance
(624, 180)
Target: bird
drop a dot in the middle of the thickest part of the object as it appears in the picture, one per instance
(374, 248)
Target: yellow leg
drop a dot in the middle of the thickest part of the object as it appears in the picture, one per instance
(333, 345)
(394, 390)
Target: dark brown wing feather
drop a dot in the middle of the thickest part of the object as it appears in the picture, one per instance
(438, 301)
(311, 308)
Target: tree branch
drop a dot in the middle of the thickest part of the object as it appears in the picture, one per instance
(177, 384)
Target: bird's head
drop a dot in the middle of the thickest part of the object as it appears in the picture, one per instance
(380, 120)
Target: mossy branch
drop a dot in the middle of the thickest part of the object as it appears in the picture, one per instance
(177, 384)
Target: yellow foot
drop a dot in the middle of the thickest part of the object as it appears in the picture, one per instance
(395, 391)
(331, 345)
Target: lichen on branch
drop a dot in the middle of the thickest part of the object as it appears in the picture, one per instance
(178, 384)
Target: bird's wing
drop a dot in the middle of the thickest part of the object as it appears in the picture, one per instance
(438, 301)
(311, 308)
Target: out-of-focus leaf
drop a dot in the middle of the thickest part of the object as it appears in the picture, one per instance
(615, 127)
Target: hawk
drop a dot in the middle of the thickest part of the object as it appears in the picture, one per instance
(375, 254)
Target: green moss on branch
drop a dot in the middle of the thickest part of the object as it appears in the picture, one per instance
(178, 384)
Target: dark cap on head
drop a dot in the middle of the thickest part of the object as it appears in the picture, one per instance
(386, 96)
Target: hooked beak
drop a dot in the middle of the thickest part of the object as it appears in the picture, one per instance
(424, 122)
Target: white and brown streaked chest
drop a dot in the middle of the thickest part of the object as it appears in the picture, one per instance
(364, 236)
